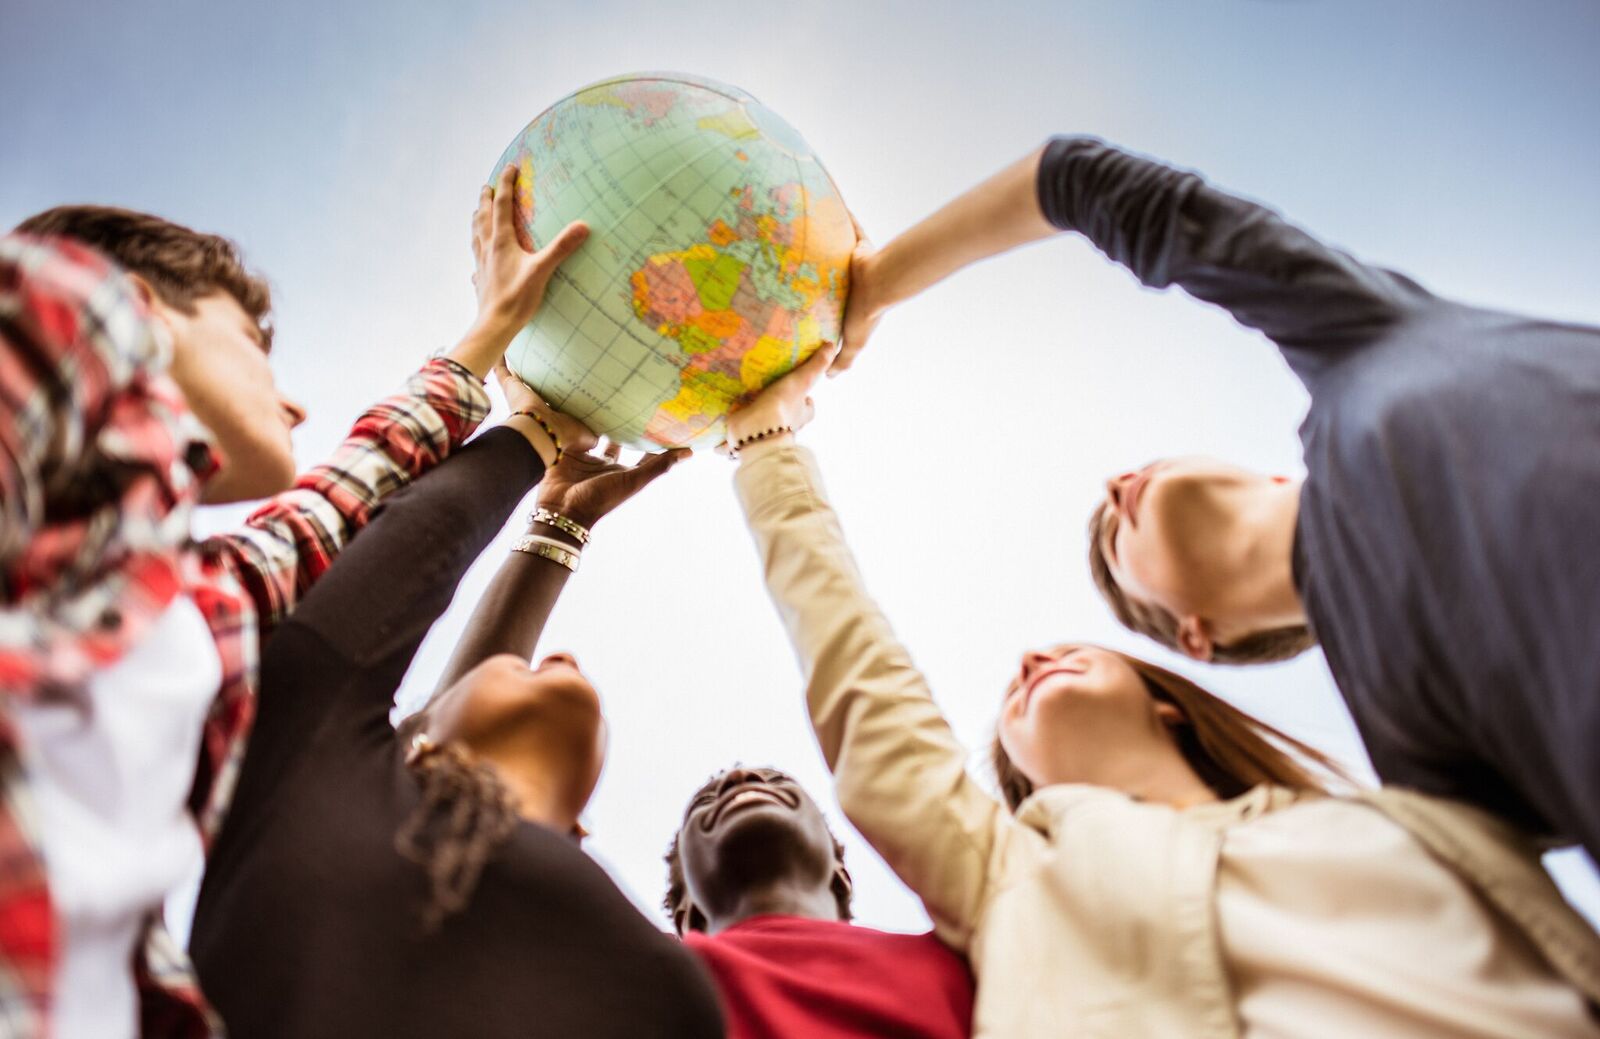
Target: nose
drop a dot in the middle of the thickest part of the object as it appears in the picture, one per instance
(1032, 661)
(1115, 488)
(561, 658)
(293, 413)
(736, 777)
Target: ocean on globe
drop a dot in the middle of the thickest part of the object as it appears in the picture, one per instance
(718, 255)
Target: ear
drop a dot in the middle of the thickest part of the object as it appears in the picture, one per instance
(841, 884)
(143, 289)
(1194, 638)
(1170, 715)
(687, 918)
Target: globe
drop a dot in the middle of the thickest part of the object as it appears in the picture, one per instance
(718, 255)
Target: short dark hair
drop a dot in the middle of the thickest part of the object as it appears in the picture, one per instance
(181, 264)
(686, 918)
(1148, 619)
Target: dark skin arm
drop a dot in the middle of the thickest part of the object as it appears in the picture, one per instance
(512, 613)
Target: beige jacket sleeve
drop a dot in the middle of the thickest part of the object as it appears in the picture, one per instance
(900, 774)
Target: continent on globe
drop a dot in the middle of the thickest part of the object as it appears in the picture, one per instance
(718, 255)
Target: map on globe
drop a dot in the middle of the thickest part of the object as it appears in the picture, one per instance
(718, 255)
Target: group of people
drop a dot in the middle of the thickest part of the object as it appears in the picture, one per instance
(1156, 862)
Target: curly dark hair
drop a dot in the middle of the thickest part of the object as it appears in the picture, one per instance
(685, 917)
(180, 264)
(465, 813)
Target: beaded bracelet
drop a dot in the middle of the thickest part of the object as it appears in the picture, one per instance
(549, 430)
(733, 450)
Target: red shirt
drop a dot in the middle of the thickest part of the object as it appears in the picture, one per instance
(784, 977)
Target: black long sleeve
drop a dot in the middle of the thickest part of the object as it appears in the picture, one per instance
(339, 658)
(1169, 227)
(399, 574)
(309, 919)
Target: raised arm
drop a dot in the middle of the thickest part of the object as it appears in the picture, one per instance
(900, 773)
(573, 497)
(292, 539)
(1165, 225)
(1169, 227)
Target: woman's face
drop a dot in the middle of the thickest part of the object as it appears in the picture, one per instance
(1072, 713)
(545, 719)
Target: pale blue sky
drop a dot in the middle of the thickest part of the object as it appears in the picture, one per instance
(342, 145)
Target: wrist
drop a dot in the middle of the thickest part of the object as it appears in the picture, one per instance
(483, 345)
(880, 282)
(573, 526)
(766, 445)
(537, 438)
(556, 533)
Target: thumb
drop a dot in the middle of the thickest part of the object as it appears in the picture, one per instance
(563, 245)
(807, 374)
(651, 466)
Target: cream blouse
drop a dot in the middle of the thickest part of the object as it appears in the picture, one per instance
(1334, 921)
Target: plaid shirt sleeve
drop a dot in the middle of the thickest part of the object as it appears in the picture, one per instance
(292, 540)
(98, 466)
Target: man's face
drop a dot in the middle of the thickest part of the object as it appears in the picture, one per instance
(1168, 528)
(220, 363)
(751, 828)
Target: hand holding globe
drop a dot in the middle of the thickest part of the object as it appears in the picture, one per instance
(719, 258)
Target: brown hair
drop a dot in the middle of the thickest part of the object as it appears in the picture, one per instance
(1148, 619)
(1228, 749)
(181, 264)
(685, 917)
(464, 814)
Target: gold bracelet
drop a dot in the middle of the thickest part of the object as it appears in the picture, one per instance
(561, 523)
(548, 548)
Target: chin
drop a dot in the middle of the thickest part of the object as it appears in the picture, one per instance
(761, 844)
(230, 486)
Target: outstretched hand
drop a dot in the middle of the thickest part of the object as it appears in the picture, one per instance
(585, 487)
(784, 405)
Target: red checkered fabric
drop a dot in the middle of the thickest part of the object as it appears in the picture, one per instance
(102, 465)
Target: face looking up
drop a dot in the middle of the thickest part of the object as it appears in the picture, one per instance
(1081, 714)
(751, 830)
(542, 724)
(220, 362)
(1181, 536)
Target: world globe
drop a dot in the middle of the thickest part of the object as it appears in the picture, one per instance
(718, 255)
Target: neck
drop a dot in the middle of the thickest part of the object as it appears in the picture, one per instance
(780, 898)
(537, 799)
(1262, 595)
(1163, 778)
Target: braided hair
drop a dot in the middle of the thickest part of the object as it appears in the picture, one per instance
(464, 814)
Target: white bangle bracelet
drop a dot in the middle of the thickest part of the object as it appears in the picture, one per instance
(548, 548)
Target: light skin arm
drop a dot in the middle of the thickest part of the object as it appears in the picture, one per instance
(997, 216)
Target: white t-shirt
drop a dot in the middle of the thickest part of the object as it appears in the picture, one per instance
(1335, 922)
(109, 785)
